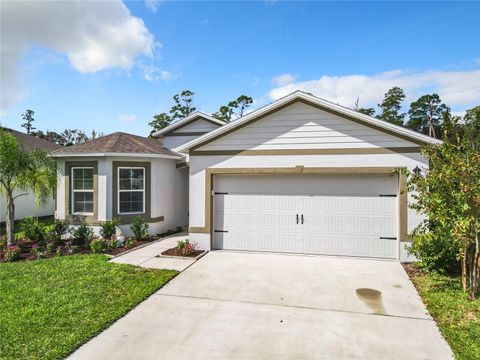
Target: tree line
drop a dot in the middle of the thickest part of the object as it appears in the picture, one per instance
(183, 107)
(67, 137)
(425, 115)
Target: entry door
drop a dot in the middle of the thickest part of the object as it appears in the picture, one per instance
(352, 215)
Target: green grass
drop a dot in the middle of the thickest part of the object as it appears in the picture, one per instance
(49, 307)
(457, 316)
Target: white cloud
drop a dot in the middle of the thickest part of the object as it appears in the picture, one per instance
(94, 35)
(127, 118)
(153, 5)
(283, 79)
(153, 73)
(456, 88)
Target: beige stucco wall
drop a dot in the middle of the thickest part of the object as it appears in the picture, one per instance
(169, 189)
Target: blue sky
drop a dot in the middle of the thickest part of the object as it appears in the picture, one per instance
(75, 74)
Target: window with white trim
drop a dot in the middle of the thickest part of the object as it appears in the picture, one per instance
(131, 190)
(82, 190)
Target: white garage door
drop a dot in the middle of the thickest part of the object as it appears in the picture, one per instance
(353, 215)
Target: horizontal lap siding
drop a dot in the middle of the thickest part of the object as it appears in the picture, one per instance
(199, 125)
(301, 126)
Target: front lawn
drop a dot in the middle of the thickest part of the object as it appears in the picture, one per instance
(50, 307)
(457, 316)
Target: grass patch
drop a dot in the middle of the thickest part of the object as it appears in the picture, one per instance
(49, 307)
(457, 316)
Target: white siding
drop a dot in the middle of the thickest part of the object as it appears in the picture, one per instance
(196, 126)
(171, 142)
(199, 125)
(300, 126)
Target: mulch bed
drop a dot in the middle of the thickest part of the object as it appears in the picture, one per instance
(413, 269)
(27, 253)
(176, 252)
(137, 243)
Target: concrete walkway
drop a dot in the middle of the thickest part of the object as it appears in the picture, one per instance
(234, 305)
(146, 256)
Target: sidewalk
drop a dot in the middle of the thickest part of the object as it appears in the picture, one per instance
(146, 256)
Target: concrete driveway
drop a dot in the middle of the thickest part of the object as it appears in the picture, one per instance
(234, 305)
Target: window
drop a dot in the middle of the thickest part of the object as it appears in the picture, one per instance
(82, 190)
(131, 190)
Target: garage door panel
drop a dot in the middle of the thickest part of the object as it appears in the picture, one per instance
(342, 214)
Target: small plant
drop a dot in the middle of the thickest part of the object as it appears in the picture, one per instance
(12, 253)
(51, 247)
(60, 227)
(190, 248)
(58, 252)
(139, 228)
(112, 244)
(98, 246)
(73, 249)
(3, 242)
(181, 244)
(129, 242)
(82, 235)
(37, 250)
(33, 229)
(109, 228)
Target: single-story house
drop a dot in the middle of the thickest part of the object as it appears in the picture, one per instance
(300, 175)
(25, 205)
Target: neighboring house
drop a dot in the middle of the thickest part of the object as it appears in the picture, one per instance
(25, 205)
(301, 175)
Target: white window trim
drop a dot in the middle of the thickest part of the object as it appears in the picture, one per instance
(119, 191)
(85, 191)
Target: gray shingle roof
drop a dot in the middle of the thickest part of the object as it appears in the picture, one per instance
(118, 142)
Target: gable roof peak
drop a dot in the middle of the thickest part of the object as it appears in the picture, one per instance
(309, 99)
(196, 114)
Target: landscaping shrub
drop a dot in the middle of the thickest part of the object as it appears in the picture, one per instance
(129, 242)
(436, 252)
(33, 229)
(12, 253)
(190, 248)
(98, 246)
(73, 249)
(37, 250)
(3, 242)
(108, 228)
(60, 227)
(81, 236)
(51, 247)
(139, 228)
(181, 244)
(112, 244)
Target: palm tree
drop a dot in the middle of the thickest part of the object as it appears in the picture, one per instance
(22, 171)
